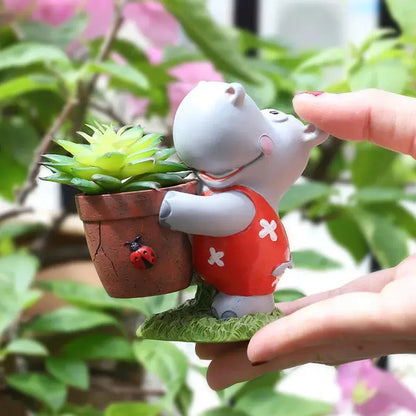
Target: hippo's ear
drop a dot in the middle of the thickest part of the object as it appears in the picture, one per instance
(236, 93)
(314, 136)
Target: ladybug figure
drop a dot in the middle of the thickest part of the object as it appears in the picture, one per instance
(142, 256)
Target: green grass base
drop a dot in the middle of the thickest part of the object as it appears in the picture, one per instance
(193, 322)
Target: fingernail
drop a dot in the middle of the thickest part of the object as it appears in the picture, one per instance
(314, 93)
(257, 363)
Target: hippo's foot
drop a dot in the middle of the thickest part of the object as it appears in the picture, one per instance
(225, 306)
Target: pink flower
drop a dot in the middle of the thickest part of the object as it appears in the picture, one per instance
(154, 22)
(17, 6)
(52, 12)
(372, 392)
(188, 75)
(55, 12)
(100, 13)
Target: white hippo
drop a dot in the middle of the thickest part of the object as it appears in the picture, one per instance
(246, 160)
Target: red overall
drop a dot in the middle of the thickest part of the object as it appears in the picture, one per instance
(242, 263)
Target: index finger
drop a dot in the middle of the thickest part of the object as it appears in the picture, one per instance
(384, 118)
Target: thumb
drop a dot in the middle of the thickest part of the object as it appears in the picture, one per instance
(384, 118)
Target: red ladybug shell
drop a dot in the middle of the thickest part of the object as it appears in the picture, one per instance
(143, 258)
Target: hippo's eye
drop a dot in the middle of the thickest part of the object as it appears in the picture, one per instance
(275, 116)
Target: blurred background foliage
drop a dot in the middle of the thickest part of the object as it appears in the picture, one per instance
(64, 64)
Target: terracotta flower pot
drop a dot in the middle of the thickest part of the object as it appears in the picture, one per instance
(158, 262)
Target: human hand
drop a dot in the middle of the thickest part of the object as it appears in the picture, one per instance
(374, 315)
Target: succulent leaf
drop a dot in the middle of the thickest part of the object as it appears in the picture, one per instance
(140, 185)
(87, 137)
(111, 162)
(164, 179)
(138, 168)
(85, 172)
(115, 160)
(89, 187)
(165, 153)
(132, 133)
(73, 148)
(62, 167)
(142, 154)
(59, 177)
(166, 166)
(58, 158)
(146, 141)
(110, 183)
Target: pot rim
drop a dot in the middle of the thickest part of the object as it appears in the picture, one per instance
(123, 205)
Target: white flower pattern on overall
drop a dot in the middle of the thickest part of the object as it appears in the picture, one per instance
(268, 229)
(215, 257)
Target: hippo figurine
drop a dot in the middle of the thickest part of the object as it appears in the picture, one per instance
(246, 160)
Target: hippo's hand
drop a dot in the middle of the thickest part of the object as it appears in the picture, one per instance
(217, 215)
(314, 136)
(165, 209)
(278, 271)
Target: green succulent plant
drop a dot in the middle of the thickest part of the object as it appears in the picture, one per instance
(115, 161)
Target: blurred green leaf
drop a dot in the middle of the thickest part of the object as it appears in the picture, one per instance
(156, 304)
(380, 47)
(309, 259)
(346, 232)
(269, 402)
(176, 55)
(132, 409)
(17, 272)
(18, 138)
(325, 58)
(98, 347)
(60, 36)
(70, 319)
(124, 73)
(389, 75)
(84, 294)
(375, 194)
(371, 165)
(31, 297)
(287, 295)
(72, 410)
(40, 386)
(404, 13)
(26, 83)
(375, 36)
(129, 51)
(71, 372)
(12, 175)
(212, 40)
(386, 241)
(27, 53)
(398, 215)
(20, 270)
(266, 381)
(24, 346)
(18, 229)
(302, 194)
(183, 399)
(166, 361)
(224, 411)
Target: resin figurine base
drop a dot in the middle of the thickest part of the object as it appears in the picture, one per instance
(193, 322)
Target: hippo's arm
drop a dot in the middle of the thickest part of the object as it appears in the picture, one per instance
(278, 271)
(218, 215)
(313, 136)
